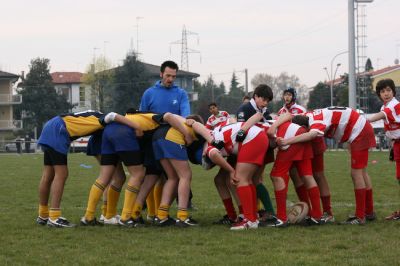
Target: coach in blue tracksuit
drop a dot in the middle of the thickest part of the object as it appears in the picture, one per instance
(163, 97)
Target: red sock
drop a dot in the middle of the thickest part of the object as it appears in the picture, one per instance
(360, 202)
(326, 204)
(245, 196)
(280, 197)
(369, 202)
(313, 194)
(397, 170)
(230, 209)
(254, 197)
(302, 194)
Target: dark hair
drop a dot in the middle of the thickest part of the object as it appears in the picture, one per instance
(131, 111)
(263, 91)
(301, 120)
(196, 118)
(291, 91)
(246, 97)
(170, 64)
(212, 104)
(383, 84)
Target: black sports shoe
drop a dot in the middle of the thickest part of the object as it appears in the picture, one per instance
(93, 222)
(60, 223)
(164, 222)
(370, 217)
(277, 223)
(354, 220)
(225, 220)
(310, 221)
(41, 221)
(130, 223)
(186, 223)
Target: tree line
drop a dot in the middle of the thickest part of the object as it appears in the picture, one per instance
(118, 89)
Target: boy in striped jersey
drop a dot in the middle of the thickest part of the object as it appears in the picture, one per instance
(345, 125)
(296, 156)
(390, 113)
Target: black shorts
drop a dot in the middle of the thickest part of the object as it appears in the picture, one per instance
(153, 167)
(129, 158)
(53, 157)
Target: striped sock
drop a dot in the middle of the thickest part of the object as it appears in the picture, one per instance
(94, 197)
(182, 214)
(163, 212)
(44, 211)
(54, 213)
(130, 198)
(112, 198)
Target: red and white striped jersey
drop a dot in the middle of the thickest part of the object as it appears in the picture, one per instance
(229, 132)
(294, 109)
(288, 130)
(392, 122)
(340, 123)
(217, 120)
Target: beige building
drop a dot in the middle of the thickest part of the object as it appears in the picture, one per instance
(7, 103)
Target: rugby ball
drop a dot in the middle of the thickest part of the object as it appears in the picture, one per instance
(297, 212)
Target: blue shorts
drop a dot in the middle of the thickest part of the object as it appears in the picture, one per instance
(55, 135)
(118, 137)
(165, 149)
(94, 144)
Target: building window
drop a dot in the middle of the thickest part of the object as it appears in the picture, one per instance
(81, 96)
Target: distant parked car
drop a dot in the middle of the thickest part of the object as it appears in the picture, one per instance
(12, 145)
(79, 145)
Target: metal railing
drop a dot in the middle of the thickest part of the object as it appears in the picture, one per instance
(10, 99)
(10, 124)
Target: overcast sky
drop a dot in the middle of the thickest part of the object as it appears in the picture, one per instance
(297, 36)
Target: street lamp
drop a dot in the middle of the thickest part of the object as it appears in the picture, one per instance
(330, 77)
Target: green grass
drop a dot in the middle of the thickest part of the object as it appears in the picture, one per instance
(23, 242)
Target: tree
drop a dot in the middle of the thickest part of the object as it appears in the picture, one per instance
(40, 101)
(278, 84)
(98, 77)
(130, 81)
(233, 99)
(207, 92)
(319, 97)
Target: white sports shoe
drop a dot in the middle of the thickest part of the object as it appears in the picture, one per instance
(101, 219)
(113, 220)
(244, 225)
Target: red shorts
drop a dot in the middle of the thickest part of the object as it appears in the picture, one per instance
(359, 159)
(365, 140)
(396, 150)
(318, 145)
(254, 151)
(318, 163)
(281, 168)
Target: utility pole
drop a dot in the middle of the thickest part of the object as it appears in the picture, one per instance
(185, 50)
(246, 78)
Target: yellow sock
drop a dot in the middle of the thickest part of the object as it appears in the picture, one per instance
(130, 197)
(137, 210)
(259, 205)
(182, 214)
(54, 213)
(158, 188)
(163, 212)
(44, 211)
(151, 209)
(112, 199)
(104, 208)
(94, 197)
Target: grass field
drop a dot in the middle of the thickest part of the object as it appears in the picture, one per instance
(23, 242)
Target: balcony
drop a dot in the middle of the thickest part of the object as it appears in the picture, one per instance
(7, 99)
(10, 124)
